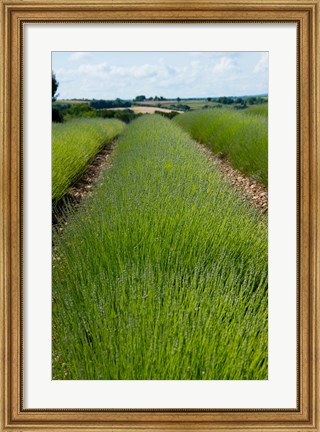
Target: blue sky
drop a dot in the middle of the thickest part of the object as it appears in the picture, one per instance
(108, 75)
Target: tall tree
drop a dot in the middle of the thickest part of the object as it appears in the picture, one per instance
(57, 115)
(54, 87)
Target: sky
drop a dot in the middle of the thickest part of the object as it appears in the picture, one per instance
(125, 75)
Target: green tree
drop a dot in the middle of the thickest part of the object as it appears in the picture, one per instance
(54, 87)
(57, 115)
(178, 99)
(251, 100)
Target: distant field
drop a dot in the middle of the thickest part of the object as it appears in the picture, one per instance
(197, 104)
(193, 104)
(145, 110)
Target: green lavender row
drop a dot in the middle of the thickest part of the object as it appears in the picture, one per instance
(241, 137)
(74, 145)
(162, 273)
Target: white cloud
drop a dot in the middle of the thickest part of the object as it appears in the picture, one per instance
(143, 71)
(65, 75)
(225, 64)
(79, 55)
(99, 69)
(263, 64)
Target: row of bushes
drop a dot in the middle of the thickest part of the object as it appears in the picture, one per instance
(258, 108)
(169, 114)
(74, 144)
(242, 138)
(69, 111)
(117, 103)
(251, 100)
(125, 115)
(177, 106)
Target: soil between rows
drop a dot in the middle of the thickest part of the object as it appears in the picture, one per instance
(249, 188)
(84, 186)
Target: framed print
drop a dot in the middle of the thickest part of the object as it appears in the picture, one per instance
(160, 204)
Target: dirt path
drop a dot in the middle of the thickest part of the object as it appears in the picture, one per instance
(251, 189)
(84, 186)
(92, 175)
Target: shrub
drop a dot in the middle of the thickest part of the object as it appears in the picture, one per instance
(79, 110)
(170, 115)
(57, 116)
(126, 115)
(117, 103)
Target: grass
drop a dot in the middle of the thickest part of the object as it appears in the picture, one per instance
(70, 101)
(259, 110)
(162, 274)
(243, 138)
(74, 145)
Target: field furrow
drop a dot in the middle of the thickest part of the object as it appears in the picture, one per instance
(74, 144)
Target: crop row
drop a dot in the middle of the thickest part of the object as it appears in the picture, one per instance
(162, 273)
(74, 145)
(242, 138)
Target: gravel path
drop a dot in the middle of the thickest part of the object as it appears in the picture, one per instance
(83, 187)
(92, 175)
(251, 189)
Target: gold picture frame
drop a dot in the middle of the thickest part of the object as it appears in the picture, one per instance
(13, 416)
